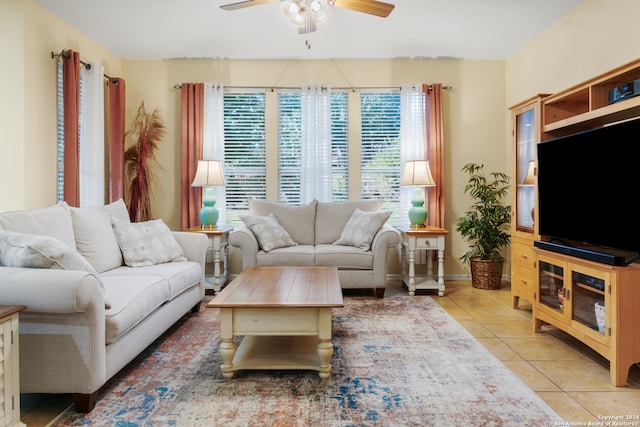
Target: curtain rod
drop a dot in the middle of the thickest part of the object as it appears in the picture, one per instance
(86, 65)
(353, 88)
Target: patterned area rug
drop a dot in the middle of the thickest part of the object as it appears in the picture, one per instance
(398, 361)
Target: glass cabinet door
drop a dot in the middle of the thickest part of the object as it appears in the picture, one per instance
(525, 139)
(589, 301)
(551, 286)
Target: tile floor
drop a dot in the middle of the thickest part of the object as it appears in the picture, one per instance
(570, 377)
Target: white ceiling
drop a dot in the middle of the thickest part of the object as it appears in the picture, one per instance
(163, 29)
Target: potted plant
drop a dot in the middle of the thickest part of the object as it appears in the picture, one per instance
(485, 225)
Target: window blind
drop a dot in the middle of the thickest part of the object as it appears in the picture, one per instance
(380, 148)
(244, 150)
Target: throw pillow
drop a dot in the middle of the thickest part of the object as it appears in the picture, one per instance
(33, 251)
(95, 239)
(53, 221)
(361, 228)
(297, 220)
(146, 243)
(268, 231)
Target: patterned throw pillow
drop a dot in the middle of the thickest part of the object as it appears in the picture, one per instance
(146, 243)
(268, 231)
(361, 228)
(33, 251)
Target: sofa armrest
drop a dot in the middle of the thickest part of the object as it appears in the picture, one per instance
(52, 290)
(62, 331)
(194, 245)
(387, 237)
(243, 238)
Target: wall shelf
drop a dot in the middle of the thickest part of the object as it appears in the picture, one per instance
(586, 106)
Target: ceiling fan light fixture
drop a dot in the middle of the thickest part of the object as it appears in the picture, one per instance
(300, 12)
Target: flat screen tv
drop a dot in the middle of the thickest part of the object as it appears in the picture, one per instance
(588, 192)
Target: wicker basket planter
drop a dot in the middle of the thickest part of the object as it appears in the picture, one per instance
(486, 274)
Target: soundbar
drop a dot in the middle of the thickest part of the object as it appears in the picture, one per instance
(602, 257)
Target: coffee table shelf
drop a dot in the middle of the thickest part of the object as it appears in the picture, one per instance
(277, 352)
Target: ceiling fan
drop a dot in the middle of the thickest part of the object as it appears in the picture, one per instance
(307, 13)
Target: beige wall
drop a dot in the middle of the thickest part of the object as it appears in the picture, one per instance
(12, 150)
(28, 35)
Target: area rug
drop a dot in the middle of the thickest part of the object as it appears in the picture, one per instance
(398, 361)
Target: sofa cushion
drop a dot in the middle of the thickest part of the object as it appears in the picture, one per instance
(302, 255)
(133, 298)
(94, 236)
(53, 221)
(332, 217)
(31, 251)
(298, 220)
(179, 276)
(269, 233)
(361, 228)
(146, 243)
(346, 257)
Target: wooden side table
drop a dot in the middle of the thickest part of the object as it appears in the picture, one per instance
(219, 247)
(428, 238)
(9, 366)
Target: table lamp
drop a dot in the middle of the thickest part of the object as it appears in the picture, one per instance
(208, 175)
(417, 173)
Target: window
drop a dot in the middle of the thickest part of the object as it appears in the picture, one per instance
(244, 150)
(289, 145)
(246, 118)
(380, 149)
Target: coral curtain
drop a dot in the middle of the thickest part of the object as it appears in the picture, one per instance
(116, 137)
(91, 161)
(192, 101)
(434, 150)
(71, 95)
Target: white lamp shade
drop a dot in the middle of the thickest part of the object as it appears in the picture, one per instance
(417, 173)
(208, 174)
(530, 179)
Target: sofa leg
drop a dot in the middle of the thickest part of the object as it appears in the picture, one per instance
(85, 402)
(196, 308)
(380, 292)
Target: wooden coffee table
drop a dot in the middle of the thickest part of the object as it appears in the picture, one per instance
(284, 316)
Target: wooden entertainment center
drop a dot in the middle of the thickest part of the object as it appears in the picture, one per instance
(562, 289)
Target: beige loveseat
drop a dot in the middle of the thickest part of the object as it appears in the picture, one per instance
(352, 236)
(89, 314)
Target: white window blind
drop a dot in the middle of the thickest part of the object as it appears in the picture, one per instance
(60, 134)
(244, 150)
(60, 129)
(289, 145)
(380, 148)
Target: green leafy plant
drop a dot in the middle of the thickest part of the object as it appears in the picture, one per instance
(486, 224)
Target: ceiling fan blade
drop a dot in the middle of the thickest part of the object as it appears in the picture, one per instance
(246, 3)
(372, 7)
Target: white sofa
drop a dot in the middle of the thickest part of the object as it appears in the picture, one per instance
(352, 236)
(90, 313)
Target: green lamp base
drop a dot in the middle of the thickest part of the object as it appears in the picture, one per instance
(417, 213)
(208, 213)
